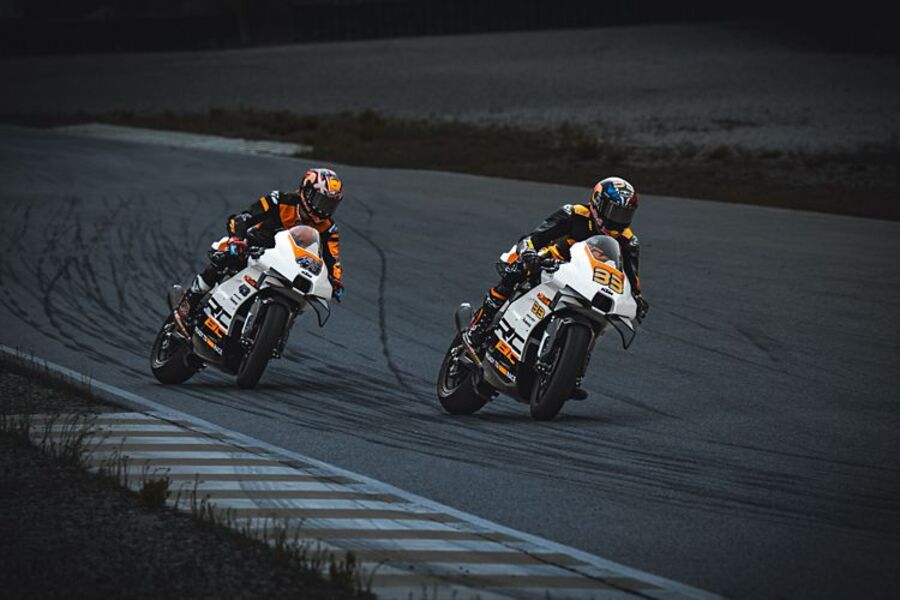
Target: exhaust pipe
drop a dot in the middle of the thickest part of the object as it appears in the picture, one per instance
(463, 317)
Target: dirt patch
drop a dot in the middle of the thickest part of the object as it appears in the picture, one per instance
(65, 533)
(863, 183)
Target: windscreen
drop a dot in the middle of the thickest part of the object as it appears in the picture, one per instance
(305, 237)
(605, 249)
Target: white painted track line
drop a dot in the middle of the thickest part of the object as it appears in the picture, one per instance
(180, 139)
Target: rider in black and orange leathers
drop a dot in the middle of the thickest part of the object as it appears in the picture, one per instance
(609, 212)
(312, 204)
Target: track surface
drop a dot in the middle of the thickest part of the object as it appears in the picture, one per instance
(747, 443)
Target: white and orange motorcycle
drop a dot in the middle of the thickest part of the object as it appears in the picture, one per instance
(244, 321)
(543, 336)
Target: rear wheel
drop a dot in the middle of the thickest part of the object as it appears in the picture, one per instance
(268, 332)
(172, 360)
(553, 387)
(456, 384)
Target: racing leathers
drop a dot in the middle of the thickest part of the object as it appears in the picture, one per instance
(258, 224)
(571, 223)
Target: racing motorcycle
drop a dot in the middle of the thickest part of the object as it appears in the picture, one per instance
(543, 335)
(244, 321)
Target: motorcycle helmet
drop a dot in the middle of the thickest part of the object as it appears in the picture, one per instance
(613, 203)
(321, 191)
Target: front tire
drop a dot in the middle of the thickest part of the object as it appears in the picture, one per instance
(456, 385)
(267, 335)
(172, 360)
(551, 391)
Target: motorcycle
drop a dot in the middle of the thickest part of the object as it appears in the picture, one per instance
(542, 337)
(245, 320)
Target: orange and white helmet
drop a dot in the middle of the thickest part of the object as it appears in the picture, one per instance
(321, 191)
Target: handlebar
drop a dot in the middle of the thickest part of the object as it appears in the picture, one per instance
(549, 264)
(542, 261)
(238, 247)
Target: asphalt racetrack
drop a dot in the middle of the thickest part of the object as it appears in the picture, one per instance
(747, 444)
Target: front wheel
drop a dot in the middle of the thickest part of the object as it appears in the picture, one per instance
(553, 386)
(267, 335)
(172, 360)
(456, 384)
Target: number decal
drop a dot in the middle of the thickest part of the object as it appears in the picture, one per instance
(604, 277)
(506, 351)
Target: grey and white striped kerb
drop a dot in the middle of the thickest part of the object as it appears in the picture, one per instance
(415, 543)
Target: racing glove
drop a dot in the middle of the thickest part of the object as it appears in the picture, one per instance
(551, 265)
(337, 288)
(237, 247)
(642, 307)
(529, 257)
(238, 224)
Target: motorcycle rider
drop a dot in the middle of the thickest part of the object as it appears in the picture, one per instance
(313, 204)
(609, 212)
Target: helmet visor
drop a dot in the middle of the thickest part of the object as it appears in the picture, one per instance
(616, 213)
(322, 205)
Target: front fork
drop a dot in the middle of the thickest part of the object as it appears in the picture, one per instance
(282, 343)
(545, 350)
(250, 323)
(587, 360)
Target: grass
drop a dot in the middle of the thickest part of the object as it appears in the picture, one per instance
(373, 139)
(862, 183)
(154, 492)
(63, 437)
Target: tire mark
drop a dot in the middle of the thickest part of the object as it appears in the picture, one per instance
(382, 316)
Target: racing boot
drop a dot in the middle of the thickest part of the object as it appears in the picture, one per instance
(480, 327)
(578, 393)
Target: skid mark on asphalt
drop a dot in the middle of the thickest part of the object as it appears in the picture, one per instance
(406, 542)
(382, 282)
(772, 348)
(88, 294)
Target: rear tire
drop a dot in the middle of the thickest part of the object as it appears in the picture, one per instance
(267, 335)
(551, 391)
(172, 360)
(456, 386)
